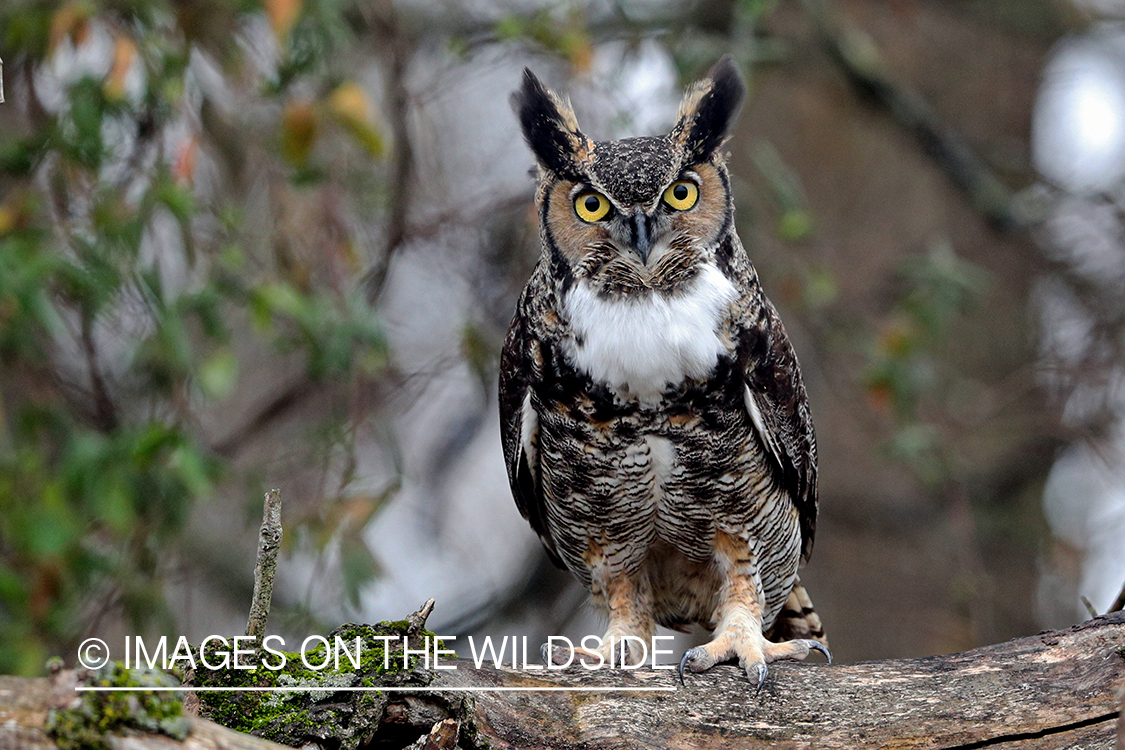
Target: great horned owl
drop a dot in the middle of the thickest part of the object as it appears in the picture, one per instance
(655, 427)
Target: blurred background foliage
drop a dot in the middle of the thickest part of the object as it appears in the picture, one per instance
(255, 243)
(121, 282)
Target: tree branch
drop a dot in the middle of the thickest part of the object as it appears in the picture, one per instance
(269, 541)
(105, 412)
(25, 704)
(393, 41)
(1051, 691)
(860, 61)
(278, 406)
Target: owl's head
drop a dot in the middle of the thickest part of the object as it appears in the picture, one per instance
(631, 212)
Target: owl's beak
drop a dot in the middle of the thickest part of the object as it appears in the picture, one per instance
(640, 229)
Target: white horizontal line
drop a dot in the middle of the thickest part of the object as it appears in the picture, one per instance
(388, 689)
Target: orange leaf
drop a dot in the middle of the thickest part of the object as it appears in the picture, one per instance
(897, 339)
(7, 220)
(184, 167)
(124, 50)
(575, 42)
(350, 102)
(298, 131)
(353, 109)
(71, 20)
(283, 16)
(879, 397)
(14, 212)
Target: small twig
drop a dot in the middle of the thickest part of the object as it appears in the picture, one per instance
(1, 81)
(417, 621)
(105, 411)
(860, 61)
(1089, 607)
(1118, 605)
(277, 407)
(269, 541)
(391, 39)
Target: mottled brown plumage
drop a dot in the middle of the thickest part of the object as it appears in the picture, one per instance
(655, 426)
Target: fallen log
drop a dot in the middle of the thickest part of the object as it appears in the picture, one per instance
(1057, 689)
(1052, 690)
(26, 705)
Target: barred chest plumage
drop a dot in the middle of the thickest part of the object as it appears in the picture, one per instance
(649, 450)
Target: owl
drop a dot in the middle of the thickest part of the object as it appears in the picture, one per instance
(654, 423)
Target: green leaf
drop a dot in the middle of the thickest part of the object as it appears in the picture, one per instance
(795, 224)
(281, 298)
(13, 586)
(178, 199)
(219, 373)
(192, 470)
(87, 111)
(52, 525)
(114, 504)
(353, 110)
(820, 288)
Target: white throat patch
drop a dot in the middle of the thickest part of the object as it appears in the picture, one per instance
(646, 344)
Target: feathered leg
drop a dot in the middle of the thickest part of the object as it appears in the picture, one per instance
(738, 633)
(628, 600)
(798, 619)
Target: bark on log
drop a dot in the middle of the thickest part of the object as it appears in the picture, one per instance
(1054, 690)
(25, 704)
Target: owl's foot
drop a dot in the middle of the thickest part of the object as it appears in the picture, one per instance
(796, 649)
(752, 658)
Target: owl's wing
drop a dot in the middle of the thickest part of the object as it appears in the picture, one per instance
(519, 426)
(779, 408)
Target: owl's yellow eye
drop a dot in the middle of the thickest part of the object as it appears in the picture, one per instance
(591, 206)
(681, 195)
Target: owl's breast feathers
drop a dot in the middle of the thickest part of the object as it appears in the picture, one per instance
(643, 343)
(709, 368)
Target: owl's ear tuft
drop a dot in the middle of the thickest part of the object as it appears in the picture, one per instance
(551, 129)
(709, 110)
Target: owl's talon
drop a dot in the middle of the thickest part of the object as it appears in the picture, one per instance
(796, 649)
(818, 646)
(683, 661)
(696, 660)
(763, 670)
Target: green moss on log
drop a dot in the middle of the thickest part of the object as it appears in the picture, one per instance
(85, 726)
(314, 705)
